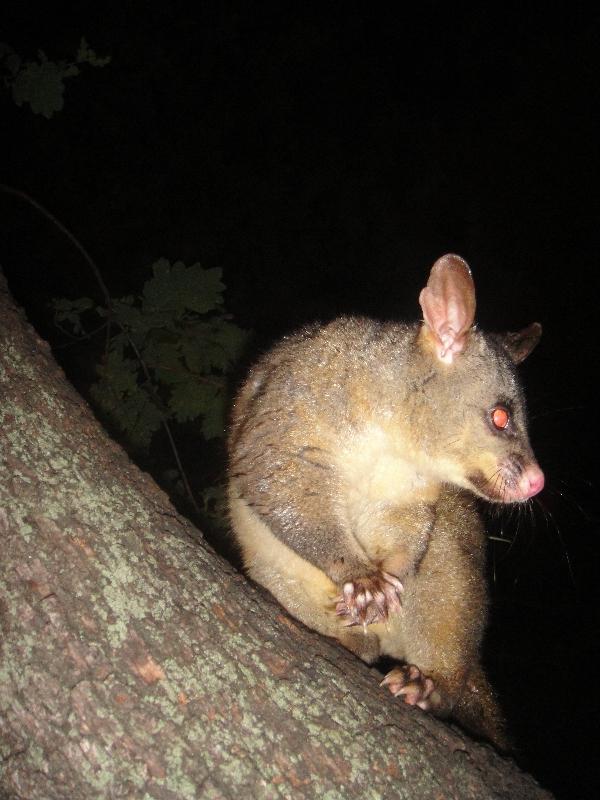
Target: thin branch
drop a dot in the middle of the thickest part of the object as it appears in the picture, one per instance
(72, 238)
(107, 299)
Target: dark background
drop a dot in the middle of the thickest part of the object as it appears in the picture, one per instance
(324, 156)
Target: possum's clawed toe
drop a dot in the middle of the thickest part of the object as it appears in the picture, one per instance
(411, 684)
(368, 600)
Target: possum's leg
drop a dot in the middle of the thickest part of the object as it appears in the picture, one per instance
(303, 589)
(475, 707)
(444, 613)
(408, 682)
(395, 538)
(294, 492)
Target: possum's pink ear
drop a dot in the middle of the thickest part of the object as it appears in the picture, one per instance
(448, 305)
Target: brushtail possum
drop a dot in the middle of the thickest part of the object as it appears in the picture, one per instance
(357, 449)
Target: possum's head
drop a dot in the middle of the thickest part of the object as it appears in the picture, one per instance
(479, 437)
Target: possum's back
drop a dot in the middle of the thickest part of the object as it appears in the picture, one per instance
(327, 378)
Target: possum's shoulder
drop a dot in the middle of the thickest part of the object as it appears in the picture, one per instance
(321, 364)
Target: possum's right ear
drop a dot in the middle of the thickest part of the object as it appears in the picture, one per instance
(518, 345)
(448, 305)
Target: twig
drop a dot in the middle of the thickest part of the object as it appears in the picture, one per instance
(107, 299)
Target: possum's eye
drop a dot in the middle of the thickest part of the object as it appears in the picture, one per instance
(500, 418)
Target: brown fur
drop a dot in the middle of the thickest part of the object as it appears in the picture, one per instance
(355, 450)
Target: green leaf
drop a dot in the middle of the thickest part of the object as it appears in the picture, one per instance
(129, 405)
(205, 288)
(120, 376)
(192, 399)
(70, 311)
(42, 85)
(127, 315)
(163, 358)
(180, 288)
(12, 60)
(85, 55)
(212, 345)
(213, 424)
(231, 338)
(138, 417)
(178, 333)
(200, 350)
(118, 344)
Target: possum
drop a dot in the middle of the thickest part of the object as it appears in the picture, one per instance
(357, 450)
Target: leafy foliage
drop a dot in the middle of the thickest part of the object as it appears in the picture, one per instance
(70, 311)
(41, 83)
(168, 351)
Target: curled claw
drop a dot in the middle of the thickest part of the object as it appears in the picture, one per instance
(368, 600)
(410, 683)
(397, 584)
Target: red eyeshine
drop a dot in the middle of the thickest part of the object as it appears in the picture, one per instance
(500, 418)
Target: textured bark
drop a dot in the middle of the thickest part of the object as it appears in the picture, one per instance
(135, 663)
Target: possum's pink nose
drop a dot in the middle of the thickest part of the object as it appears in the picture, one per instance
(531, 482)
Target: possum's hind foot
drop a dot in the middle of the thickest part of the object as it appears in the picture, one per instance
(410, 683)
(368, 600)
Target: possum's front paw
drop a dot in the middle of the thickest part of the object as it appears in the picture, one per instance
(410, 683)
(368, 600)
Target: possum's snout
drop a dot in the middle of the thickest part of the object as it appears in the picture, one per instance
(513, 481)
(530, 483)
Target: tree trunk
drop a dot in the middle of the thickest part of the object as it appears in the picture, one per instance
(136, 663)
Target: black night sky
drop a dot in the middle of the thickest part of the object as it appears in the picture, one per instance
(324, 155)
